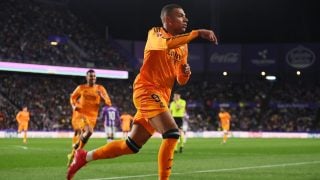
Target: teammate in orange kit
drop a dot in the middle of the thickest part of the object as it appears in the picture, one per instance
(165, 60)
(23, 118)
(224, 117)
(125, 120)
(85, 101)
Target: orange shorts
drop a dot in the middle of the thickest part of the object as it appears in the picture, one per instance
(79, 121)
(125, 127)
(149, 103)
(23, 127)
(226, 127)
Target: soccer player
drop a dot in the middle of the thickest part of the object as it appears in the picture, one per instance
(111, 117)
(224, 117)
(178, 110)
(165, 60)
(23, 118)
(126, 120)
(85, 101)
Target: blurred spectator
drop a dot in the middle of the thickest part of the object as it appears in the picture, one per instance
(255, 106)
(26, 26)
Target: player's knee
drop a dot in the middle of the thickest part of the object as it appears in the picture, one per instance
(172, 134)
(133, 145)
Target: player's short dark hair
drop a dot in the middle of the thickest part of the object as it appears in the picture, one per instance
(167, 9)
(90, 71)
(177, 92)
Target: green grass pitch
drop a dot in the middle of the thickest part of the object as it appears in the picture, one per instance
(261, 159)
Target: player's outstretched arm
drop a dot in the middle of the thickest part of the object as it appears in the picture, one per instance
(208, 35)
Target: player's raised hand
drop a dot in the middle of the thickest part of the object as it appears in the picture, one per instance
(208, 34)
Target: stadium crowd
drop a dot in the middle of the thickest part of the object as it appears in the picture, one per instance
(254, 106)
(47, 98)
(29, 27)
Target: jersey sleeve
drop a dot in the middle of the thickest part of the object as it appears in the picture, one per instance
(229, 116)
(105, 96)
(157, 41)
(74, 96)
(18, 117)
(181, 39)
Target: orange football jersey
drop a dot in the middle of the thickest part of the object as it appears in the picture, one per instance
(23, 117)
(87, 99)
(164, 57)
(225, 119)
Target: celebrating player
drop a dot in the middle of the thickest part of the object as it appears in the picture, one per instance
(165, 60)
(85, 101)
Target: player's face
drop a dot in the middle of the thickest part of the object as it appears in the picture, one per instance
(178, 21)
(91, 78)
(176, 97)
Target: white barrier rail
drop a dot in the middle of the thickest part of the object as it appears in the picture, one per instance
(190, 134)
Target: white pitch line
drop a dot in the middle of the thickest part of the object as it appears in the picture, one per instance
(215, 170)
(22, 147)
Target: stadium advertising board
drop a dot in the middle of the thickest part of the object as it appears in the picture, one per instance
(196, 57)
(261, 57)
(224, 58)
(300, 57)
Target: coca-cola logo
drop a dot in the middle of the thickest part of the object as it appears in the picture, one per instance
(300, 57)
(227, 58)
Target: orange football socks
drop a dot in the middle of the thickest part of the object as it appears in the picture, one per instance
(111, 150)
(165, 157)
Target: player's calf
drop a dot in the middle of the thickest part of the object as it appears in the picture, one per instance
(166, 152)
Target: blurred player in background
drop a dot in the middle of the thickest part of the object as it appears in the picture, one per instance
(165, 61)
(178, 110)
(85, 101)
(23, 118)
(111, 118)
(126, 120)
(225, 118)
